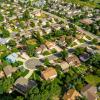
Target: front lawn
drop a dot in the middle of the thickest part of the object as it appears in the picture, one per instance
(92, 79)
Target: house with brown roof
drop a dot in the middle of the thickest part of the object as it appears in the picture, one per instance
(79, 36)
(37, 13)
(8, 70)
(50, 45)
(89, 92)
(49, 73)
(56, 26)
(38, 50)
(64, 66)
(22, 85)
(86, 21)
(47, 30)
(72, 94)
(41, 49)
(62, 42)
(73, 60)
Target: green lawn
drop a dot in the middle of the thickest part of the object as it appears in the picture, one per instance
(92, 79)
(3, 48)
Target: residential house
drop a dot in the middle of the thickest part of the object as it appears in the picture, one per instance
(24, 55)
(89, 92)
(84, 57)
(97, 18)
(8, 70)
(62, 42)
(37, 13)
(79, 36)
(22, 85)
(56, 26)
(47, 30)
(3, 41)
(64, 66)
(86, 21)
(38, 50)
(37, 29)
(49, 73)
(50, 45)
(41, 49)
(72, 94)
(36, 22)
(73, 60)
(44, 21)
(12, 58)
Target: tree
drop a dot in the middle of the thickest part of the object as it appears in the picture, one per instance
(1, 18)
(92, 79)
(5, 33)
(34, 94)
(94, 60)
(26, 15)
(46, 62)
(19, 98)
(12, 43)
(79, 51)
(95, 41)
(64, 54)
(7, 84)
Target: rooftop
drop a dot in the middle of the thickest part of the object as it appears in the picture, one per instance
(22, 85)
(49, 73)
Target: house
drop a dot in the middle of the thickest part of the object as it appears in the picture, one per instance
(38, 50)
(44, 21)
(72, 94)
(73, 60)
(38, 30)
(43, 47)
(86, 21)
(22, 85)
(49, 73)
(62, 42)
(70, 38)
(89, 92)
(56, 26)
(24, 55)
(39, 3)
(79, 36)
(62, 39)
(36, 22)
(12, 58)
(3, 41)
(47, 30)
(50, 45)
(2, 74)
(64, 66)
(98, 47)
(37, 13)
(97, 18)
(8, 70)
(84, 57)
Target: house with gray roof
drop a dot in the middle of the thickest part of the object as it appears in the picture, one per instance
(23, 85)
